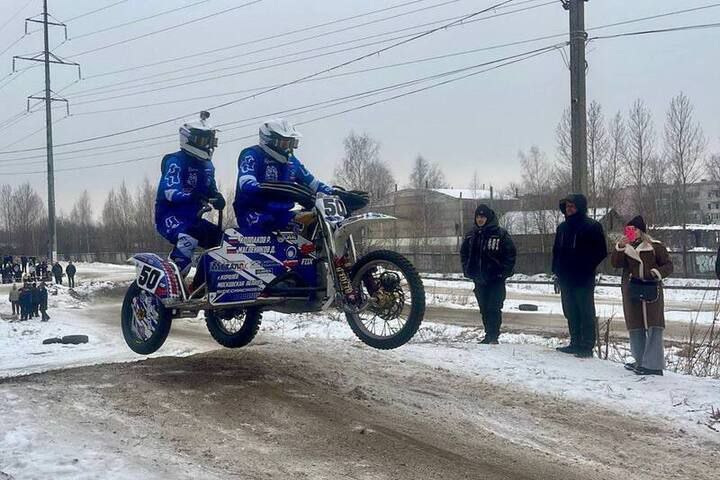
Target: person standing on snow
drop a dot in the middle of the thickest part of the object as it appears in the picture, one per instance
(57, 272)
(272, 160)
(644, 258)
(43, 298)
(579, 248)
(187, 183)
(70, 270)
(488, 258)
(14, 298)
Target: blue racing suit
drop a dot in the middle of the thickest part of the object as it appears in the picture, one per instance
(255, 213)
(186, 181)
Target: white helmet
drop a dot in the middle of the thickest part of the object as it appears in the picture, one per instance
(279, 135)
(199, 138)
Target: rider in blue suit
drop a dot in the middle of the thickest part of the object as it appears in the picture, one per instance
(187, 183)
(272, 160)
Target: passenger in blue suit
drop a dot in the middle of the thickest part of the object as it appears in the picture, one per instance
(187, 183)
(272, 160)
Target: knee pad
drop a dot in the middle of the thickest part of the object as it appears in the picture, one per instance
(183, 252)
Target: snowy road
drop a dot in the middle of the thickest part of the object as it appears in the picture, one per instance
(307, 400)
(310, 408)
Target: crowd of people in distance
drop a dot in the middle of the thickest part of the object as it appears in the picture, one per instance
(15, 269)
(31, 299)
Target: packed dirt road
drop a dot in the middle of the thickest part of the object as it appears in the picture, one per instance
(330, 410)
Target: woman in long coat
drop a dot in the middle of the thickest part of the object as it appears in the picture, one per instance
(647, 259)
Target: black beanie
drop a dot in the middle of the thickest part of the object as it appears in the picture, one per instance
(484, 210)
(639, 223)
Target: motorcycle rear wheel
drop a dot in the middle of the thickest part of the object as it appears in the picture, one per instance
(400, 294)
(145, 321)
(234, 332)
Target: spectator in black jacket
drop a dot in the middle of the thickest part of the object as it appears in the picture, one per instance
(579, 248)
(34, 301)
(25, 302)
(70, 271)
(57, 272)
(43, 297)
(488, 258)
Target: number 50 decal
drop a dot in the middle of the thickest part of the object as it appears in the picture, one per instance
(149, 278)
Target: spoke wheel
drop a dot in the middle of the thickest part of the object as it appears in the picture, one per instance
(145, 321)
(233, 329)
(392, 302)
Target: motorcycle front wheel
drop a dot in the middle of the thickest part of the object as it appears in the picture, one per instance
(145, 321)
(393, 299)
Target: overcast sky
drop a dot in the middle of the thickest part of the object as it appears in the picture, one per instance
(478, 123)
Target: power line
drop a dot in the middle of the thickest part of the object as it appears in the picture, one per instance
(327, 77)
(548, 36)
(12, 17)
(272, 47)
(521, 57)
(184, 83)
(14, 43)
(702, 26)
(654, 17)
(269, 90)
(101, 9)
(163, 30)
(132, 22)
(324, 104)
(107, 88)
(258, 40)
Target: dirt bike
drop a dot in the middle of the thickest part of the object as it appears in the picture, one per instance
(310, 268)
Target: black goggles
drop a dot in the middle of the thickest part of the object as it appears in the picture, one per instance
(203, 138)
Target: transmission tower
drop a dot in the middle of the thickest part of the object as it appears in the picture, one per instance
(47, 57)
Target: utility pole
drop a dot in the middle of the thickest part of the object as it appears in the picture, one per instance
(578, 65)
(49, 97)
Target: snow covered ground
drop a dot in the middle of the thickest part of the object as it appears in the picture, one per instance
(698, 306)
(526, 362)
(21, 347)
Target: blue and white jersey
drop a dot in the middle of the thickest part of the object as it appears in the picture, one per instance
(186, 181)
(255, 166)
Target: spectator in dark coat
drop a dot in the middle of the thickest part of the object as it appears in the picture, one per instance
(57, 272)
(35, 301)
(579, 248)
(23, 263)
(43, 297)
(70, 271)
(25, 302)
(488, 258)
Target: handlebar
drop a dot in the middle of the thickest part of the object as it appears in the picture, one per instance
(206, 207)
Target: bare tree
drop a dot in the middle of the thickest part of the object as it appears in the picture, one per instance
(610, 175)
(537, 183)
(598, 148)
(563, 167)
(426, 175)
(475, 186)
(684, 148)
(640, 151)
(713, 167)
(81, 216)
(362, 169)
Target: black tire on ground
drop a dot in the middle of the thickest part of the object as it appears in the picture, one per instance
(158, 337)
(240, 338)
(417, 310)
(75, 339)
(527, 307)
